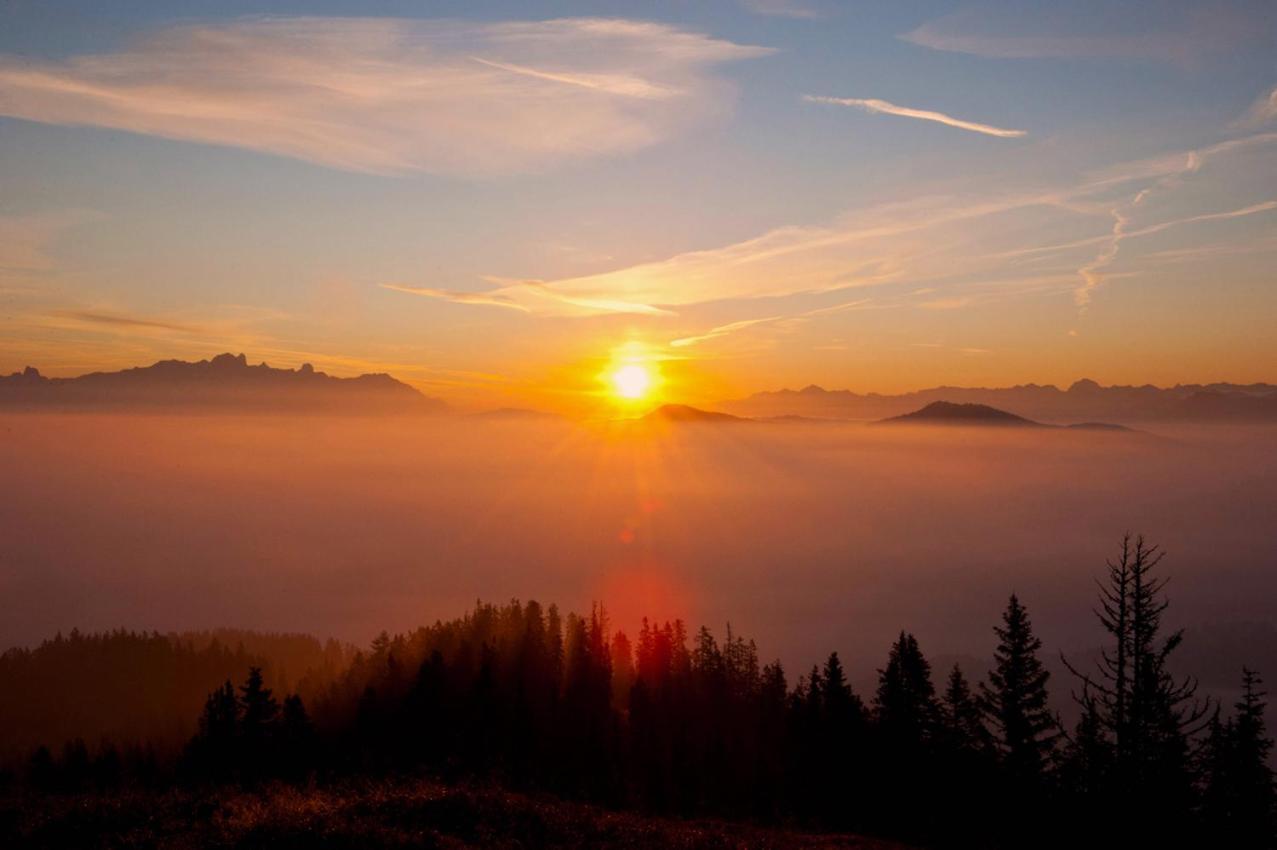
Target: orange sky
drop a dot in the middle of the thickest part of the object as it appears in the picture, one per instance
(883, 201)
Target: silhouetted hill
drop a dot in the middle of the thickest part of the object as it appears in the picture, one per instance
(979, 415)
(948, 413)
(226, 382)
(1096, 426)
(516, 414)
(1085, 400)
(686, 413)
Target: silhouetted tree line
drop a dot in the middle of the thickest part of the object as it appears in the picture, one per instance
(687, 724)
(129, 687)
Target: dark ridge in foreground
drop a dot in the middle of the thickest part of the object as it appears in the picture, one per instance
(372, 815)
(227, 382)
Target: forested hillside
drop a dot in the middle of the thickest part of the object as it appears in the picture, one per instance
(693, 725)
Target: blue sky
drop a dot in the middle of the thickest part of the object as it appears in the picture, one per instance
(489, 198)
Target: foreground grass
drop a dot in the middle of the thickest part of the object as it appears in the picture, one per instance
(416, 814)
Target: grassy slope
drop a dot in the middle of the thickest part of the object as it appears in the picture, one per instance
(368, 816)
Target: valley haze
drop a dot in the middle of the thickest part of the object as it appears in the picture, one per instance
(197, 495)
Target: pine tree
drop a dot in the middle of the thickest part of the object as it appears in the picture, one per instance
(260, 709)
(908, 727)
(1086, 763)
(905, 704)
(1014, 700)
(1238, 804)
(964, 761)
(219, 724)
(962, 717)
(842, 706)
(215, 751)
(297, 739)
(1214, 762)
(839, 718)
(1251, 750)
(1147, 715)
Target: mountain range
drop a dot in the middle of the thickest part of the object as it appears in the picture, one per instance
(229, 382)
(226, 382)
(1085, 400)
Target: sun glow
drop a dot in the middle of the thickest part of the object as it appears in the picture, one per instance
(632, 374)
(631, 381)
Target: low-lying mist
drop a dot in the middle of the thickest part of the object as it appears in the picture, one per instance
(806, 537)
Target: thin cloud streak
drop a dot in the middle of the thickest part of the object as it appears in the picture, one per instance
(26, 240)
(1200, 33)
(455, 296)
(393, 96)
(1262, 111)
(887, 108)
(610, 83)
(783, 9)
(117, 320)
(721, 331)
(542, 299)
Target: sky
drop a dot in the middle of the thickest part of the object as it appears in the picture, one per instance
(497, 202)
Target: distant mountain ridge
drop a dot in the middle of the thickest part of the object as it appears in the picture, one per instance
(1083, 400)
(982, 415)
(226, 382)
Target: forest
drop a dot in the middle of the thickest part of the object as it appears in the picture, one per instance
(682, 724)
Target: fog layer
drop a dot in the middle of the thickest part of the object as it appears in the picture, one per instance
(806, 537)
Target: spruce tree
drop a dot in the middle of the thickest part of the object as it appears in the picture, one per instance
(1014, 700)
(1146, 714)
(260, 709)
(842, 706)
(1251, 750)
(1238, 797)
(962, 717)
(905, 704)
(219, 724)
(215, 750)
(839, 745)
(908, 722)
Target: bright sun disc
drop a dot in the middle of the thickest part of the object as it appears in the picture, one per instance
(631, 381)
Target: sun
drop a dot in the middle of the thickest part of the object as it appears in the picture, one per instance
(631, 381)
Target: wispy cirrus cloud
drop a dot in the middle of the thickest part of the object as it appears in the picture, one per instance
(783, 8)
(125, 321)
(457, 296)
(393, 96)
(884, 107)
(26, 240)
(721, 331)
(533, 296)
(1094, 30)
(1262, 111)
(618, 84)
(1092, 273)
(938, 252)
